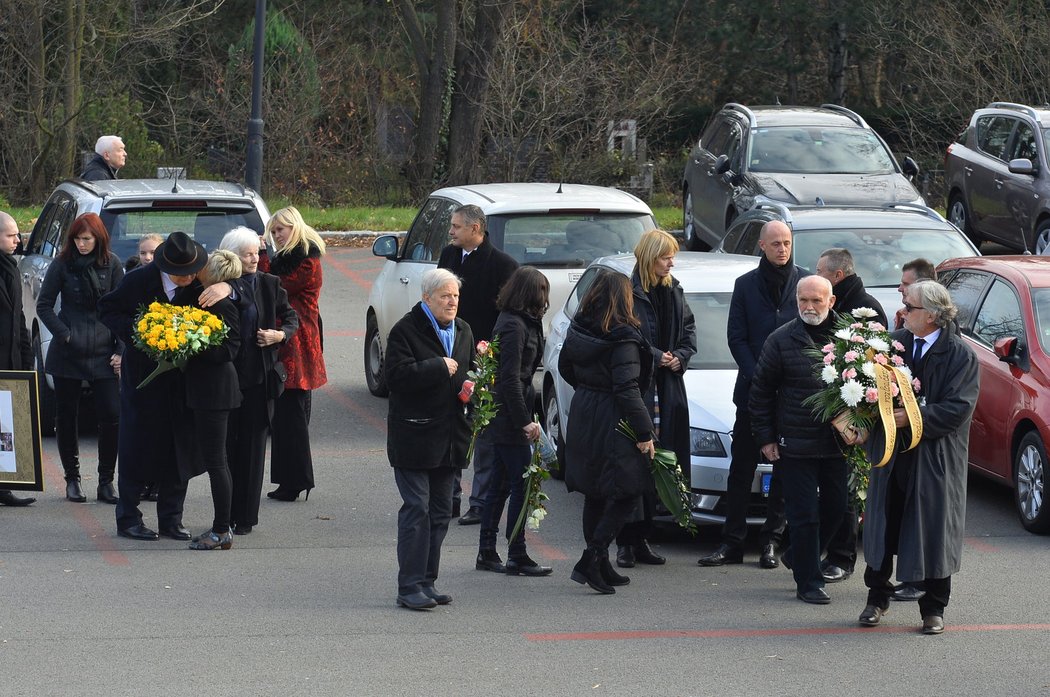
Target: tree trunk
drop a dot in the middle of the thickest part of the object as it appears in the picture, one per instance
(72, 89)
(473, 59)
(837, 58)
(36, 80)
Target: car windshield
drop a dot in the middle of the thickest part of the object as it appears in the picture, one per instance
(1041, 304)
(567, 239)
(711, 313)
(1046, 143)
(818, 150)
(126, 227)
(878, 255)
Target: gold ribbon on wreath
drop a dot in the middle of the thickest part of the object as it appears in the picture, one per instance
(884, 376)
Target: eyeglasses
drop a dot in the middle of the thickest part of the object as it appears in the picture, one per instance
(909, 308)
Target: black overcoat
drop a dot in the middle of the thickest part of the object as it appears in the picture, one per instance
(16, 352)
(98, 170)
(484, 272)
(273, 311)
(427, 425)
(667, 384)
(850, 294)
(609, 373)
(520, 353)
(82, 345)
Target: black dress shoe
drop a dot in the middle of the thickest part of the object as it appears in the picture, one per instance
(471, 517)
(9, 499)
(625, 556)
(906, 592)
(871, 615)
(439, 598)
(177, 532)
(645, 554)
(242, 529)
(488, 560)
(817, 596)
(105, 493)
(723, 555)
(834, 573)
(73, 491)
(768, 559)
(138, 532)
(525, 566)
(932, 624)
(416, 601)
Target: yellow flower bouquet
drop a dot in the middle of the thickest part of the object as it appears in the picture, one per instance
(172, 334)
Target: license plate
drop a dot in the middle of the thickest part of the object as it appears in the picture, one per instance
(767, 478)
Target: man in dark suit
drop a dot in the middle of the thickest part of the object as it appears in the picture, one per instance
(763, 300)
(110, 156)
(147, 442)
(16, 352)
(483, 269)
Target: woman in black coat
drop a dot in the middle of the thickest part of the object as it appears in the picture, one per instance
(83, 349)
(667, 325)
(212, 392)
(609, 365)
(519, 328)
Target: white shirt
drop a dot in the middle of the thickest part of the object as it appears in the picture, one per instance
(169, 285)
(929, 339)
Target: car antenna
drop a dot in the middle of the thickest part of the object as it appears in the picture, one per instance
(559, 188)
(1027, 251)
(820, 201)
(175, 184)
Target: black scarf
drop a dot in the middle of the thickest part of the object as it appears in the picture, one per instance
(83, 267)
(287, 262)
(819, 333)
(775, 277)
(662, 302)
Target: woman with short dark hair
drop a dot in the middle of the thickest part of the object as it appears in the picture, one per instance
(519, 328)
(83, 349)
(609, 366)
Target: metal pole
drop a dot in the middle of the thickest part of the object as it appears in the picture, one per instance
(253, 162)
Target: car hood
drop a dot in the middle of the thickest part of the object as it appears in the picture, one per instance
(833, 189)
(710, 395)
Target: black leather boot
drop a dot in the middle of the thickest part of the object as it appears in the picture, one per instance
(645, 554)
(625, 556)
(107, 462)
(588, 570)
(69, 454)
(73, 491)
(609, 574)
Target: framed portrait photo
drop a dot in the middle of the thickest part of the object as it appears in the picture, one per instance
(20, 446)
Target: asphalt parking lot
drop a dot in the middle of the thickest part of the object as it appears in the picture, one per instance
(305, 604)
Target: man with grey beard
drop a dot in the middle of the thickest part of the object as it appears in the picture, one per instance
(804, 450)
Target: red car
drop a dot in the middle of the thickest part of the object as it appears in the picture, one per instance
(1004, 313)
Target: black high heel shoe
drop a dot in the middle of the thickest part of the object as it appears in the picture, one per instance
(282, 494)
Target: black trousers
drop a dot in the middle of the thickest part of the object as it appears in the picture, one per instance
(171, 497)
(246, 436)
(291, 465)
(745, 453)
(106, 394)
(209, 426)
(842, 549)
(815, 499)
(422, 524)
(604, 518)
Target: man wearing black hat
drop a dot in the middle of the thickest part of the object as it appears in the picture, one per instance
(149, 416)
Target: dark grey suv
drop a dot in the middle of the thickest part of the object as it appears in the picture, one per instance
(791, 155)
(997, 176)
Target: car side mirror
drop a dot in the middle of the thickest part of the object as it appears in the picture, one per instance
(385, 246)
(1010, 350)
(910, 168)
(722, 164)
(1022, 165)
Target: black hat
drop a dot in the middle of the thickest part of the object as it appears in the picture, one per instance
(179, 255)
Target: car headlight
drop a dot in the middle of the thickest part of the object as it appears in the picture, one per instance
(704, 443)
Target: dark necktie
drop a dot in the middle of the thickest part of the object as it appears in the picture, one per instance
(919, 343)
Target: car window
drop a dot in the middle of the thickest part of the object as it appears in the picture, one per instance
(573, 301)
(816, 150)
(716, 136)
(1041, 305)
(420, 242)
(57, 224)
(999, 316)
(1024, 144)
(567, 239)
(880, 254)
(127, 227)
(439, 227)
(711, 312)
(966, 288)
(992, 134)
(43, 225)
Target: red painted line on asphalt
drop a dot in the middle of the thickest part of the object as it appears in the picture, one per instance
(365, 413)
(103, 539)
(980, 545)
(536, 542)
(343, 268)
(748, 633)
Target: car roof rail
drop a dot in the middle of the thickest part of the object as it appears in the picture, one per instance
(854, 116)
(752, 121)
(916, 207)
(1015, 107)
(777, 207)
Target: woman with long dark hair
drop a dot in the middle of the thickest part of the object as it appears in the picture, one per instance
(83, 349)
(519, 328)
(667, 326)
(609, 365)
(297, 262)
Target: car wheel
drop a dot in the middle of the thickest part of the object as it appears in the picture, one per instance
(1029, 484)
(47, 395)
(692, 242)
(959, 216)
(1042, 238)
(552, 423)
(374, 360)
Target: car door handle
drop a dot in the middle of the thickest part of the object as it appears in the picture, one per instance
(998, 183)
(968, 170)
(404, 280)
(25, 277)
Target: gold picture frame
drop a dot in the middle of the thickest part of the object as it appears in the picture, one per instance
(20, 444)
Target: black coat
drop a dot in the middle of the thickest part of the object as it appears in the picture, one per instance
(427, 425)
(146, 447)
(752, 318)
(668, 385)
(609, 374)
(98, 169)
(82, 346)
(273, 311)
(484, 272)
(784, 377)
(850, 294)
(211, 377)
(520, 353)
(16, 352)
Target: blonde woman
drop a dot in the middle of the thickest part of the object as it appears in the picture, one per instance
(296, 260)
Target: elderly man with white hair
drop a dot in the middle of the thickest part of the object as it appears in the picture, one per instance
(110, 156)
